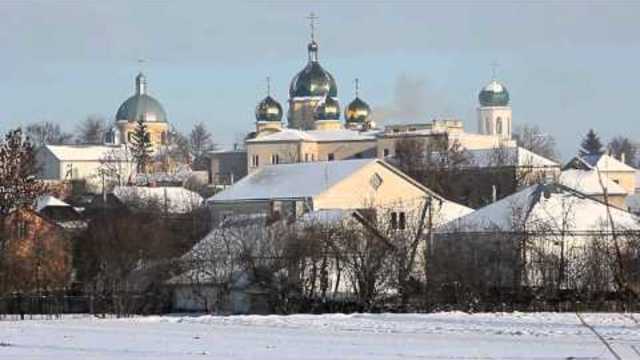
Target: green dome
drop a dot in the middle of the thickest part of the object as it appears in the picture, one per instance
(313, 80)
(494, 94)
(141, 105)
(268, 110)
(328, 109)
(357, 111)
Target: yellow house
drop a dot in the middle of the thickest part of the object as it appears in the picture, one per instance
(609, 167)
(288, 191)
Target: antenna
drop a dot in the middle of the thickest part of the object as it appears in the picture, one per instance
(312, 18)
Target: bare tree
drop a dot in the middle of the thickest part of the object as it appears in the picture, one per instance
(47, 133)
(535, 140)
(200, 142)
(621, 147)
(91, 130)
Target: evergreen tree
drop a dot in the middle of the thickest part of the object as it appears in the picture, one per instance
(591, 144)
(18, 168)
(141, 147)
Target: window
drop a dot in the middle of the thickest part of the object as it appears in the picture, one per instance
(331, 157)
(21, 229)
(616, 181)
(398, 220)
(306, 157)
(394, 220)
(275, 159)
(255, 161)
(402, 221)
(375, 181)
(499, 125)
(385, 153)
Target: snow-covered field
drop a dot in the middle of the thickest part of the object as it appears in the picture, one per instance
(357, 336)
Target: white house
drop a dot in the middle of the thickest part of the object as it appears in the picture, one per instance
(96, 164)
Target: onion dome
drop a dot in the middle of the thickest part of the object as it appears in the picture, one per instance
(328, 109)
(141, 105)
(313, 80)
(357, 111)
(268, 110)
(494, 94)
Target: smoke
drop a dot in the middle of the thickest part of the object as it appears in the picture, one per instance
(414, 100)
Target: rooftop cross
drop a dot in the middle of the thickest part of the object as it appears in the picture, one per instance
(268, 86)
(312, 17)
(141, 63)
(357, 84)
(494, 68)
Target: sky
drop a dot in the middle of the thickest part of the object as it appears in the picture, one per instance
(569, 66)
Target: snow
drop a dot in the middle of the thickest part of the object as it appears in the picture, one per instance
(318, 135)
(452, 335)
(178, 199)
(87, 152)
(510, 156)
(580, 213)
(603, 162)
(588, 182)
(291, 181)
(45, 201)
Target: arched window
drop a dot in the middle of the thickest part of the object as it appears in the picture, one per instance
(499, 125)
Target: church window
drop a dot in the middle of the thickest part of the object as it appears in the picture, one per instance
(255, 161)
(398, 221)
(313, 157)
(499, 126)
(331, 157)
(394, 220)
(275, 159)
(385, 153)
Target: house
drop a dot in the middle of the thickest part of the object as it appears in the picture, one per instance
(612, 168)
(59, 212)
(545, 236)
(97, 165)
(37, 253)
(591, 183)
(288, 191)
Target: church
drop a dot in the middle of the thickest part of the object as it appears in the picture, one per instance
(314, 130)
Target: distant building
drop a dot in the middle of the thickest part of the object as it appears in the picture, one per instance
(97, 165)
(291, 190)
(37, 253)
(608, 166)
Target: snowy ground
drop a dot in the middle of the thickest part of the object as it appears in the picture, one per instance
(358, 336)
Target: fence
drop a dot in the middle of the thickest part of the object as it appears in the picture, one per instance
(24, 306)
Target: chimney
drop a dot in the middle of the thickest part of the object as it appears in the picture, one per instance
(623, 157)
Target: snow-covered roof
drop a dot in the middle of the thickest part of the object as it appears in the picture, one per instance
(317, 135)
(291, 181)
(588, 182)
(178, 200)
(508, 156)
(550, 207)
(45, 201)
(603, 162)
(88, 152)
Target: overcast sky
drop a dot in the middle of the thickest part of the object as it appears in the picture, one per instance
(568, 66)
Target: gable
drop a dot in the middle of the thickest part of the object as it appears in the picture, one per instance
(376, 185)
